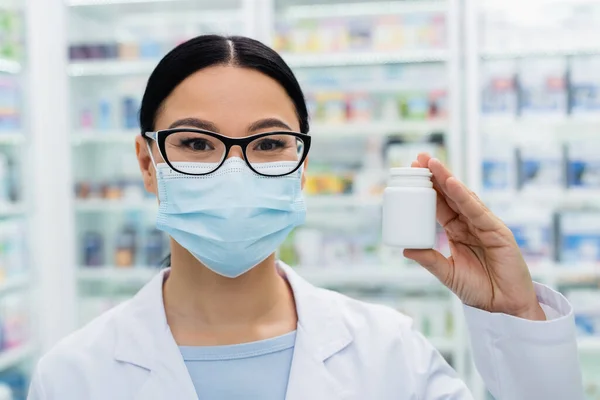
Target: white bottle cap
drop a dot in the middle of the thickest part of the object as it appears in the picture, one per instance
(409, 171)
(415, 177)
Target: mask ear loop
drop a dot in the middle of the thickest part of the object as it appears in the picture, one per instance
(151, 155)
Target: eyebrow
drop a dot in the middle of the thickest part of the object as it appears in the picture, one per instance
(196, 123)
(261, 124)
(268, 123)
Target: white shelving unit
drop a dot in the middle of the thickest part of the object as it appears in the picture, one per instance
(15, 356)
(360, 129)
(10, 209)
(115, 274)
(364, 58)
(589, 345)
(11, 138)
(111, 68)
(375, 275)
(517, 48)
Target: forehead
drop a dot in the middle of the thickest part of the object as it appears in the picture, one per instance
(230, 97)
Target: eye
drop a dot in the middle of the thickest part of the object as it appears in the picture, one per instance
(269, 144)
(197, 144)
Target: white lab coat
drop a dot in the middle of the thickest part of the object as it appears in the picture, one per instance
(345, 349)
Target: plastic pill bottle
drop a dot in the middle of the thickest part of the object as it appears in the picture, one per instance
(409, 204)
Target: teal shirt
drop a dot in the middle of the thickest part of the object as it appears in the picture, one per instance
(250, 371)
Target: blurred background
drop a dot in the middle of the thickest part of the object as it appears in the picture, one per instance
(506, 93)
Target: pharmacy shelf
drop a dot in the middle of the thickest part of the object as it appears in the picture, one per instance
(589, 344)
(555, 51)
(115, 205)
(543, 197)
(363, 9)
(14, 285)
(10, 66)
(11, 138)
(298, 60)
(117, 274)
(563, 272)
(443, 345)
(383, 128)
(15, 356)
(341, 201)
(528, 128)
(111, 67)
(167, 4)
(400, 276)
(80, 3)
(11, 209)
(126, 137)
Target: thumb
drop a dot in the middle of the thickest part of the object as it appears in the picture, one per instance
(431, 260)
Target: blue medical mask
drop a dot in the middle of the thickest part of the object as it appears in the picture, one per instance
(232, 219)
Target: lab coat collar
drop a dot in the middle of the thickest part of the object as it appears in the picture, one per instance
(145, 340)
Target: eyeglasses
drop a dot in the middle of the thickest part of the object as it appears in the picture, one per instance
(185, 145)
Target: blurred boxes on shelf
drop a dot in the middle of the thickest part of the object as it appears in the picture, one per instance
(13, 249)
(127, 246)
(361, 33)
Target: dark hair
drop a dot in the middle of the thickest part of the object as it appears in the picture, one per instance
(209, 50)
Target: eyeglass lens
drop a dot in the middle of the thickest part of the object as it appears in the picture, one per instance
(194, 147)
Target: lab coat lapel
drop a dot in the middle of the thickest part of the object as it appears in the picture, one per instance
(321, 333)
(145, 341)
(309, 377)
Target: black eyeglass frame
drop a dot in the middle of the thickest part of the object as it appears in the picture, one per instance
(160, 137)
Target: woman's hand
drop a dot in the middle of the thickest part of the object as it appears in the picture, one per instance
(486, 269)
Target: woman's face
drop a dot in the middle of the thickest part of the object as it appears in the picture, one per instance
(235, 102)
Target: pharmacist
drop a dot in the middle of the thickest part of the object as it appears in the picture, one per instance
(224, 148)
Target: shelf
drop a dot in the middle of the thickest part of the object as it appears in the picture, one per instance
(168, 4)
(529, 127)
(111, 67)
(341, 201)
(109, 137)
(11, 138)
(363, 9)
(116, 205)
(364, 58)
(76, 3)
(10, 66)
(562, 272)
(543, 197)
(117, 274)
(400, 276)
(493, 54)
(589, 344)
(15, 356)
(443, 345)
(14, 284)
(384, 128)
(11, 209)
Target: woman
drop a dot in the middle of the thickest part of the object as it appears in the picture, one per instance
(223, 146)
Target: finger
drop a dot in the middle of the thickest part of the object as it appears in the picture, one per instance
(440, 173)
(443, 211)
(446, 210)
(431, 260)
(470, 206)
(423, 159)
